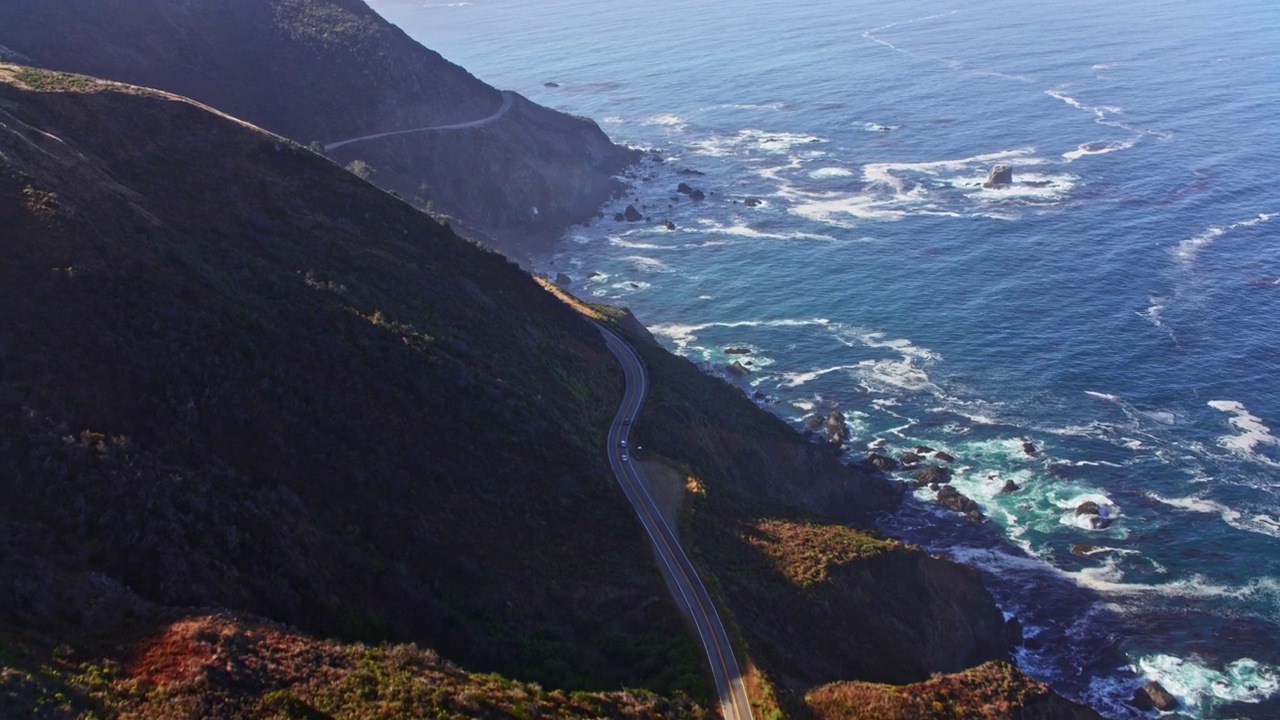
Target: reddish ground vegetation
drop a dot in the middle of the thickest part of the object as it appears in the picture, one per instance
(993, 691)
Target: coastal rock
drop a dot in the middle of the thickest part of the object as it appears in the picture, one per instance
(953, 499)
(1010, 487)
(923, 449)
(1084, 549)
(932, 475)
(1000, 176)
(1088, 507)
(551, 84)
(1058, 470)
(697, 195)
(737, 351)
(943, 457)
(563, 280)
(668, 225)
(1013, 632)
(738, 368)
(684, 189)
(881, 462)
(909, 458)
(837, 431)
(752, 202)
(1098, 517)
(1028, 448)
(1152, 695)
(631, 214)
(691, 171)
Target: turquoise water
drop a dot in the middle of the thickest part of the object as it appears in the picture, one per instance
(1116, 307)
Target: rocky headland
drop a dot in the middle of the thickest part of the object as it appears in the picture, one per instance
(322, 71)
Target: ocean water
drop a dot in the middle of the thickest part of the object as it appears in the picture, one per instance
(1117, 308)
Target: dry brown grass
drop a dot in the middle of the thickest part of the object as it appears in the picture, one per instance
(806, 552)
(993, 691)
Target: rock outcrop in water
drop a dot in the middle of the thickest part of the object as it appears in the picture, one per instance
(1153, 696)
(1000, 176)
(953, 499)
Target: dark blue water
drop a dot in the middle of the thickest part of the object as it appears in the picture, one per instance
(1116, 307)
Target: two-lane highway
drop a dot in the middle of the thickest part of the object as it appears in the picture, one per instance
(687, 587)
(508, 98)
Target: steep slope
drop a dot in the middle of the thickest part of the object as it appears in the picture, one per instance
(236, 377)
(328, 70)
(233, 374)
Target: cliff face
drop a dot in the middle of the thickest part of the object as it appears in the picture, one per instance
(329, 70)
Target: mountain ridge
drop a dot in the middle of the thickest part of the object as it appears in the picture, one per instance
(321, 71)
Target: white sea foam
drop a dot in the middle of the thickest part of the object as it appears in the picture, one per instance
(647, 264)
(1100, 147)
(893, 191)
(636, 245)
(673, 122)
(746, 231)
(1108, 578)
(751, 141)
(682, 335)
(1257, 523)
(628, 286)
(878, 127)
(905, 371)
(1155, 311)
(749, 106)
(831, 172)
(1108, 511)
(796, 379)
(1252, 432)
(871, 34)
(1187, 250)
(1193, 682)
(1105, 115)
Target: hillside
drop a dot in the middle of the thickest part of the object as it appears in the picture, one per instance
(257, 412)
(234, 375)
(328, 70)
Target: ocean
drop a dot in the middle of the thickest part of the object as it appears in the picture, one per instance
(1114, 311)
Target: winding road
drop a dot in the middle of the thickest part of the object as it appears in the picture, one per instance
(508, 98)
(686, 586)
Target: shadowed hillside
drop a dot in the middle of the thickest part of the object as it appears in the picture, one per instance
(232, 374)
(328, 70)
(238, 382)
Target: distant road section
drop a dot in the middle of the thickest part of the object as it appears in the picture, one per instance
(688, 590)
(508, 98)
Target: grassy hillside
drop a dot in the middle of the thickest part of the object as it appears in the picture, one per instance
(328, 70)
(234, 375)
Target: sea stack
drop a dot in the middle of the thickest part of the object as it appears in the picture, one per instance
(1000, 176)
